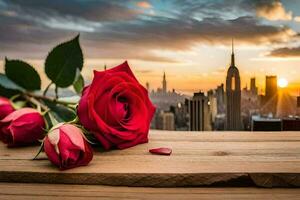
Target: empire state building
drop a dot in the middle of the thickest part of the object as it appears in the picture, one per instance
(233, 96)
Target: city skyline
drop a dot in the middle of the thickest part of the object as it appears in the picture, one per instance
(190, 41)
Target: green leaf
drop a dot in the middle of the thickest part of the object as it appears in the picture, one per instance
(7, 83)
(53, 120)
(63, 61)
(78, 84)
(61, 113)
(48, 121)
(22, 74)
(7, 87)
(41, 149)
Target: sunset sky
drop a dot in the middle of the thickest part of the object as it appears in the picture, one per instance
(189, 40)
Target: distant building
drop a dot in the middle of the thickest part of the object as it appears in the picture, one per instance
(171, 114)
(165, 121)
(291, 124)
(198, 113)
(219, 124)
(266, 124)
(253, 88)
(180, 112)
(148, 86)
(163, 99)
(233, 97)
(249, 104)
(269, 103)
(298, 106)
(220, 95)
(212, 105)
(271, 87)
(275, 124)
(164, 84)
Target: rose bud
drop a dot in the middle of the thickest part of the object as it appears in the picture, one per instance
(66, 148)
(22, 127)
(5, 107)
(116, 108)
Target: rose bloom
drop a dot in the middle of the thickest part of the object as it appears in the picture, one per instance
(116, 108)
(22, 127)
(5, 107)
(66, 148)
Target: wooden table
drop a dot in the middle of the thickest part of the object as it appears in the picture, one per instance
(215, 160)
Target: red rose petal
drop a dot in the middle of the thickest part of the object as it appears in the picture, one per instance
(161, 151)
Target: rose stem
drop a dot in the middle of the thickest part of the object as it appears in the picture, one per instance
(65, 103)
(47, 88)
(36, 102)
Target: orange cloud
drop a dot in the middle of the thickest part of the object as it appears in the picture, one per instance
(297, 19)
(144, 4)
(273, 11)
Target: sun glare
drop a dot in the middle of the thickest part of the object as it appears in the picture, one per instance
(282, 82)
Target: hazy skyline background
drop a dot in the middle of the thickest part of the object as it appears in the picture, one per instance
(189, 40)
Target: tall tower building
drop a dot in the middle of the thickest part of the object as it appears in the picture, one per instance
(164, 83)
(148, 86)
(271, 97)
(271, 87)
(298, 105)
(233, 96)
(253, 88)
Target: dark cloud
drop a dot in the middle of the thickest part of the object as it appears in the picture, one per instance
(112, 29)
(286, 52)
(26, 39)
(93, 10)
(169, 33)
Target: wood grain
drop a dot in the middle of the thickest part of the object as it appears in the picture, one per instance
(13, 191)
(198, 159)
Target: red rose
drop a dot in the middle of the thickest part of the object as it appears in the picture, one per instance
(5, 107)
(66, 148)
(22, 127)
(116, 108)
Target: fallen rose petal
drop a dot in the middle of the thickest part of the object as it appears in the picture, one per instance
(161, 151)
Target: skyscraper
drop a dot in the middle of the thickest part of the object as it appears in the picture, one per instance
(220, 99)
(199, 113)
(148, 86)
(212, 105)
(253, 88)
(233, 96)
(270, 99)
(298, 105)
(271, 87)
(164, 84)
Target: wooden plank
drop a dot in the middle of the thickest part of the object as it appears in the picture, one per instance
(12, 191)
(226, 158)
(224, 136)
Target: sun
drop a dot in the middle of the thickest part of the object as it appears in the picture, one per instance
(282, 82)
